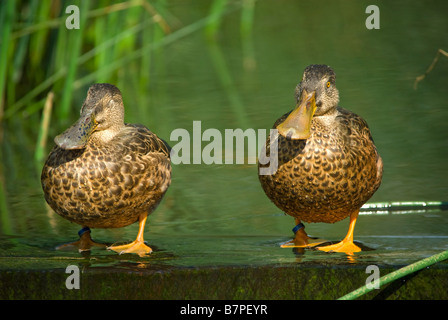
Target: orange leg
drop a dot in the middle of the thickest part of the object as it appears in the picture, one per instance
(137, 246)
(346, 245)
(84, 243)
(301, 240)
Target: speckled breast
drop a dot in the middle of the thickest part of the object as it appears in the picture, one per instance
(323, 178)
(91, 187)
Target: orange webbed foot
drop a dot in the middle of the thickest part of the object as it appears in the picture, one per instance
(345, 246)
(137, 247)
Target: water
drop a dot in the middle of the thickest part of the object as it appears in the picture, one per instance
(218, 215)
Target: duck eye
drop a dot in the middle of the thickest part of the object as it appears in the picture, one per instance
(328, 84)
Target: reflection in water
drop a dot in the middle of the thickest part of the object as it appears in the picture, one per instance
(159, 261)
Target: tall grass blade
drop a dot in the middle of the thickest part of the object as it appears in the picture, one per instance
(216, 12)
(43, 130)
(228, 85)
(147, 48)
(223, 73)
(6, 19)
(247, 21)
(74, 53)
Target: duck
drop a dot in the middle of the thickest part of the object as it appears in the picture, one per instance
(105, 173)
(326, 163)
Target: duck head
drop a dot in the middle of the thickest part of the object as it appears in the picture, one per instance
(101, 118)
(316, 95)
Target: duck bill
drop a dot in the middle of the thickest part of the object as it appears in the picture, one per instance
(297, 125)
(78, 134)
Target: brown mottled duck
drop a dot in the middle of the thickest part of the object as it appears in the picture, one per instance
(104, 173)
(328, 165)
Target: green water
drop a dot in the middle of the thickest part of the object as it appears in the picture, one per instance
(218, 215)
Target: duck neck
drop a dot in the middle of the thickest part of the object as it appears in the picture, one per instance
(327, 118)
(104, 136)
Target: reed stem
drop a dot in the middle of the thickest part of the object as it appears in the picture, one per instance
(6, 19)
(43, 131)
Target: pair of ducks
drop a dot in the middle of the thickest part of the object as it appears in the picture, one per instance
(104, 173)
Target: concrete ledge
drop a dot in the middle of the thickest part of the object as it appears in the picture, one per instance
(224, 283)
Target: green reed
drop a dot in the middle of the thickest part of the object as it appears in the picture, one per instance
(6, 21)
